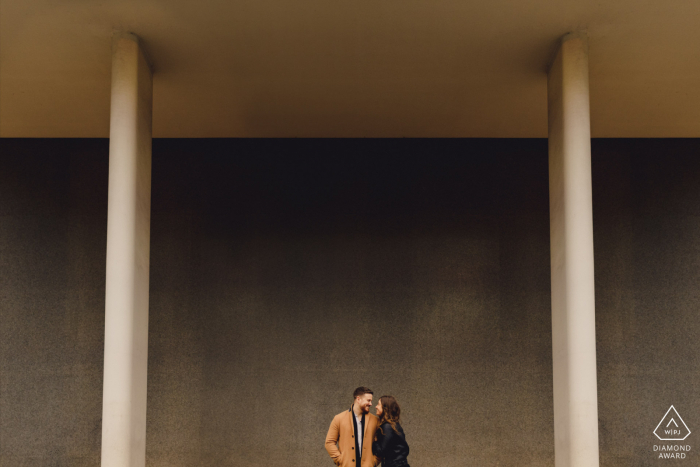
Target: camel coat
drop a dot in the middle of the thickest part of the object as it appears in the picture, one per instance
(340, 440)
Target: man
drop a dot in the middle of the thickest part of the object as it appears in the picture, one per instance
(349, 439)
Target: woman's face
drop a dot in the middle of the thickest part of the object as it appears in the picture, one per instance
(379, 409)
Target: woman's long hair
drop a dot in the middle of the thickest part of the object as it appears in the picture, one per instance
(391, 413)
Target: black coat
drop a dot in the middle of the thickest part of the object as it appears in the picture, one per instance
(390, 445)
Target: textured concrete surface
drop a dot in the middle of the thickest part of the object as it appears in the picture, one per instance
(646, 213)
(285, 273)
(282, 282)
(53, 206)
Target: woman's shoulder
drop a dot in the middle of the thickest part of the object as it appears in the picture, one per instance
(387, 425)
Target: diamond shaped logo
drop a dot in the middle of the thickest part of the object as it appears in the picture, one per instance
(672, 427)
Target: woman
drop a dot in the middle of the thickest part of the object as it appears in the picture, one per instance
(391, 443)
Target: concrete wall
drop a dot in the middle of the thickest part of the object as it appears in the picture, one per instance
(53, 233)
(286, 273)
(646, 211)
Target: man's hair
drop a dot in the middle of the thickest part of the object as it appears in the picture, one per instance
(361, 391)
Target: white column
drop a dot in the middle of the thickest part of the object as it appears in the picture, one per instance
(571, 238)
(128, 250)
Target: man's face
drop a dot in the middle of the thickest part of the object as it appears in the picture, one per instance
(364, 402)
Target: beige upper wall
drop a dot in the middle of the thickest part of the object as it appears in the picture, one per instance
(386, 68)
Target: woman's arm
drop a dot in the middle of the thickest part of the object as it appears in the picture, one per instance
(379, 447)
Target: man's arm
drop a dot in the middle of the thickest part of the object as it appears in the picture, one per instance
(332, 440)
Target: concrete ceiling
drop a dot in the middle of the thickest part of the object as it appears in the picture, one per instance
(360, 68)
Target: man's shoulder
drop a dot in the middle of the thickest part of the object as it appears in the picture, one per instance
(342, 414)
(345, 413)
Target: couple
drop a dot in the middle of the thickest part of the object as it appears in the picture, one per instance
(357, 438)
